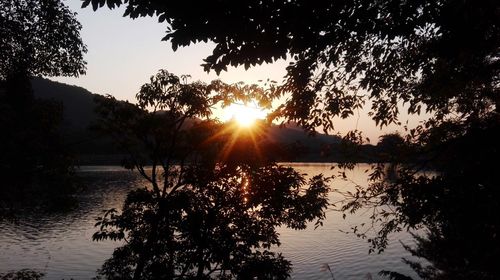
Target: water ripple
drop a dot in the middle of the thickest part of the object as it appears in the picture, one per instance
(60, 245)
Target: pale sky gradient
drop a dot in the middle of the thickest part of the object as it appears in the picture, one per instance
(123, 54)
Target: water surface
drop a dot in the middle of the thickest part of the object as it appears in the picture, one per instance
(61, 246)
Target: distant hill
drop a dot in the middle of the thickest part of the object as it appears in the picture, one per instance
(78, 114)
(78, 104)
(302, 145)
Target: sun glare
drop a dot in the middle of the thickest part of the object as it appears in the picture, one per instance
(244, 114)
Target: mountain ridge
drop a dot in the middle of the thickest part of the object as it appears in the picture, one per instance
(79, 113)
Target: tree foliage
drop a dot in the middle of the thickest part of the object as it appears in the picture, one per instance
(440, 57)
(24, 274)
(214, 197)
(39, 38)
(36, 38)
(448, 191)
(417, 52)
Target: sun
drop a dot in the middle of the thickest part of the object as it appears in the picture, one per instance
(244, 114)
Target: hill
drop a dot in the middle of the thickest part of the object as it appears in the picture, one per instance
(78, 104)
(78, 114)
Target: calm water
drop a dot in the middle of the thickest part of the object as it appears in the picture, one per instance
(61, 245)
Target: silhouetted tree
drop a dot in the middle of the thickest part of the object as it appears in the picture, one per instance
(391, 144)
(441, 57)
(24, 274)
(36, 38)
(39, 38)
(214, 198)
(416, 52)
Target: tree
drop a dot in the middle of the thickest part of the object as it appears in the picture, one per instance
(214, 197)
(36, 38)
(421, 53)
(39, 38)
(22, 274)
(438, 56)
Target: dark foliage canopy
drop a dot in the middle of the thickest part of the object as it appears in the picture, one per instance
(36, 38)
(214, 198)
(441, 56)
(40, 38)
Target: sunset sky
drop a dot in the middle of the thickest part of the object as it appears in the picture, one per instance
(123, 54)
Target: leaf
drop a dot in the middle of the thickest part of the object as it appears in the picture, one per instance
(85, 3)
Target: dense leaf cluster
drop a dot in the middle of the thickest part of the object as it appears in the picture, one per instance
(214, 199)
(39, 38)
(439, 56)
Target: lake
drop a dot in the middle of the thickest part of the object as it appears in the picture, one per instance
(61, 246)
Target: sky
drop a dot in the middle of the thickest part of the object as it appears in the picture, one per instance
(123, 54)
